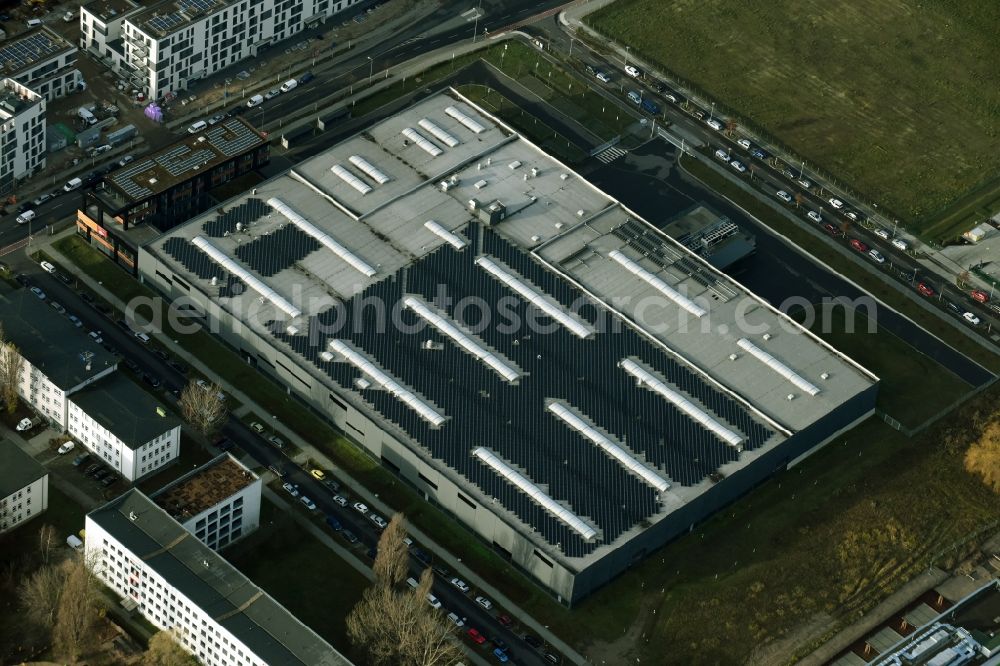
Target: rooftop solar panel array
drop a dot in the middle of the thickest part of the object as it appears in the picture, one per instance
(181, 159)
(27, 51)
(274, 252)
(247, 212)
(199, 263)
(164, 23)
(232, 137)
(513, 421)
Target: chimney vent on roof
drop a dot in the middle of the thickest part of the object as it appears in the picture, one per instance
(767, 336)
(790, 397)
(825, 375)
(132, 516)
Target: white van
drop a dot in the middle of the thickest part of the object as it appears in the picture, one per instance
(25, 217)
(290, 84)
(34, 23)
(197, 127)
(85, 114)
(256, 100)
(72, 185)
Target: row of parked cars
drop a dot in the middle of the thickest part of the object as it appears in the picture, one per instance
(94, 470)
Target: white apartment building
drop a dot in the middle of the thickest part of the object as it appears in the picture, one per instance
(165, 46)
(42, 61)
(24, 486)
(123, 425)
(22, 133)
(181, 585)
(218, 502)
(59, 359)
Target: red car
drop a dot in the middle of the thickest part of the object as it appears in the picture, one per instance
(832, 230)
(925, 289)
(505, 620)
(980, 296)
(858, 245)
(476, 637)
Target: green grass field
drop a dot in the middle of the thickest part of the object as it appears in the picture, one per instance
(899, 100)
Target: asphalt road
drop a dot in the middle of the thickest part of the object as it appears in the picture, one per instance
(144, 357)
(778, 271)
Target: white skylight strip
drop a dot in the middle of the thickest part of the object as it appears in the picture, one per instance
(612, 449)
(453, 239)
(535, 493)
(643, 376)
(464, 118)
(352, 180)
(439, 134)
(380, 377)
(305, 225)
(658, 284)
(536, 299)
(777, 366)
(461, 339)
(373, 172)
(419, 139)
(221, 258)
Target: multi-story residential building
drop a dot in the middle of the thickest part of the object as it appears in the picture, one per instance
(170, 44)
(24, 486)
(159, 191)
(181, 585)
(22, 133)
(126, 427)
(42, 61)
(59, 359)
(101, 29)
(218, 502)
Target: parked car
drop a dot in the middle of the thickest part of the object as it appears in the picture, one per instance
(475, 636)
(858, 245)
(379, 521)
(216, 119)
(552, 658)
(108, 480)
(836, 203)
(505, 620)
(876, 256)
(257, 427)
(256, 100)
(925, 289)
(500, 656)
(81, 459)
(484, 602)
(832, 230)
(422, 555)
(38, 292)
(744, 144)
(804, 183)
(971, 318)
(306, 78)
(349, 536)
(714, 124)
(723, 154)
(276, 441)
(308, 503)
(854, 215)
(125, 160)
(979, 296)
(318, 474)
(635, 96)
(532, 640)
(58, 307)
(456, 620)
(881, 233)
(334, 523)
(460, 584)
(340, 499)
(27, 424)
(814, 216)
(900, 244)
(332, 485)
(271, 94)
(738, 166)
(47, 267)
(38, 201)
(634, 72)
(784, 196)
(602, 77)
(64, 278)
(75, 320)
(360, 508)
(759, 154)
(433, 601)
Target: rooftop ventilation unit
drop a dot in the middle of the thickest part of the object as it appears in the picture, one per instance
(419, 139)
(618, 453)
(351, 179)
(356, 262)
(438, 133)
(658, 284)
(460, 338)
(655, 384)
(381, 378)
(470, 124)
(528, 293)
(535, 493)
(262, 289)
(480, 184)
(776, 365)
(452, 238)
(370, 170)
(515, 164)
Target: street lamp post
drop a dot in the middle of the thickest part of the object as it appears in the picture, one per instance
(802, 168)
(475, 27)
(711, 114)
(626, 55)
(571, 39)
(371, 69)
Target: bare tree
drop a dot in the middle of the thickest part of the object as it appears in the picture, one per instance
(11, 363)
(39, 595)
(983, 456)
(165, 650)
(46, 541)
(77, 611)
(394, 624)
(203, 407)
(392, 558)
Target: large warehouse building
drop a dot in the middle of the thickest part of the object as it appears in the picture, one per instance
(566, 380)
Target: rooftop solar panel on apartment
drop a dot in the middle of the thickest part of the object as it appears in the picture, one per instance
(272, 253)
(246, 213)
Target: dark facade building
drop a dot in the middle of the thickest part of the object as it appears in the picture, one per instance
(157, 192)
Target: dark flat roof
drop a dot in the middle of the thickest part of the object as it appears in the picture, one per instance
(126, 410)
(204, 487)
(17, 468)
(50, 342)
(152, 174)
(214, 585)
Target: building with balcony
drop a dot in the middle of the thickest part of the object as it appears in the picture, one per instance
(22, 133)
(218, 502)
(101, 24)
(42, 61)
(159, 191)
(24, 486)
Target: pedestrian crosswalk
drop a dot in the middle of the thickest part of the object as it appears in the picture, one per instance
(610, 154)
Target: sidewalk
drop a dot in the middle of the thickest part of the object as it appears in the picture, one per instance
(308, 451)
(934, 260)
